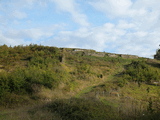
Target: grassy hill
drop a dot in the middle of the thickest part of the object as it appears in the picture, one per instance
(50, 83)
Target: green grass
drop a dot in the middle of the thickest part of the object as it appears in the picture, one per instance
(77, 88)
(84, 91)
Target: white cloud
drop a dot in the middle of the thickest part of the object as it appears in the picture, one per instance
(19, 14)
(133, 26)
(122, 24)
(9, 41)
(72, 7)
(96, 38)
(26, 36)
(110, 37)
(139, 21)
(127, 8)
(112, 7)
(32, 33)
(34, 3)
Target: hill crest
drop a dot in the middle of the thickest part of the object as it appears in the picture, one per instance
(90, 52)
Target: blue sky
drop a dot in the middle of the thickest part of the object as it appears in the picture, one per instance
(117, 26)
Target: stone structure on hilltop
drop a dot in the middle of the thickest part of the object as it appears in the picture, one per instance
(89, 52)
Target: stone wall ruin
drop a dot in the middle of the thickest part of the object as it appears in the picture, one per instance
(90, 52)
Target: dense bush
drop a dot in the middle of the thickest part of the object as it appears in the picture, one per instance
(25, 67)
(80, 109)
(23, 81)
(138, 71)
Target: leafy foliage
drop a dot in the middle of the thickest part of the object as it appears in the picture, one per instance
(140, 72)
(31, 65)
(80, 109)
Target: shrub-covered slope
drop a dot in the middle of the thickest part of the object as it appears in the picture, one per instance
(76, 84)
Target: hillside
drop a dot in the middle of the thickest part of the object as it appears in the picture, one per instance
(41, 82)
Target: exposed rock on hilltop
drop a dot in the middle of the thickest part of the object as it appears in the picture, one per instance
(89, 52)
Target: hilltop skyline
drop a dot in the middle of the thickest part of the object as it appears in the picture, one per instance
(116, 26)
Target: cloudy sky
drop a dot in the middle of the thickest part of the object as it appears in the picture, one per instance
(116, 26)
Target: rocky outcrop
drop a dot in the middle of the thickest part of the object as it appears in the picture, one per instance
(112, 55)
(96, 54)
(89, 52)
(129, 56)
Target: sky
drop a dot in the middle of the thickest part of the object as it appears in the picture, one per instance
(114, 26)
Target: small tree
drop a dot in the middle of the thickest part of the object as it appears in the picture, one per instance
(157, 55)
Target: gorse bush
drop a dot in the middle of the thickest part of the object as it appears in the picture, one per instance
(21, 77)
(138, 71)
(43, 63)
(29, 66)
(83, 68)
(23, 52)
(22, 81)
(80, 109)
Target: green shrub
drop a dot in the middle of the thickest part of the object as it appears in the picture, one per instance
(23, 81)
(140, 72)
(80, 109)
(4, 84)
(83, 68)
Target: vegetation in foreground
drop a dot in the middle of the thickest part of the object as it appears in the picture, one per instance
(40, 82)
